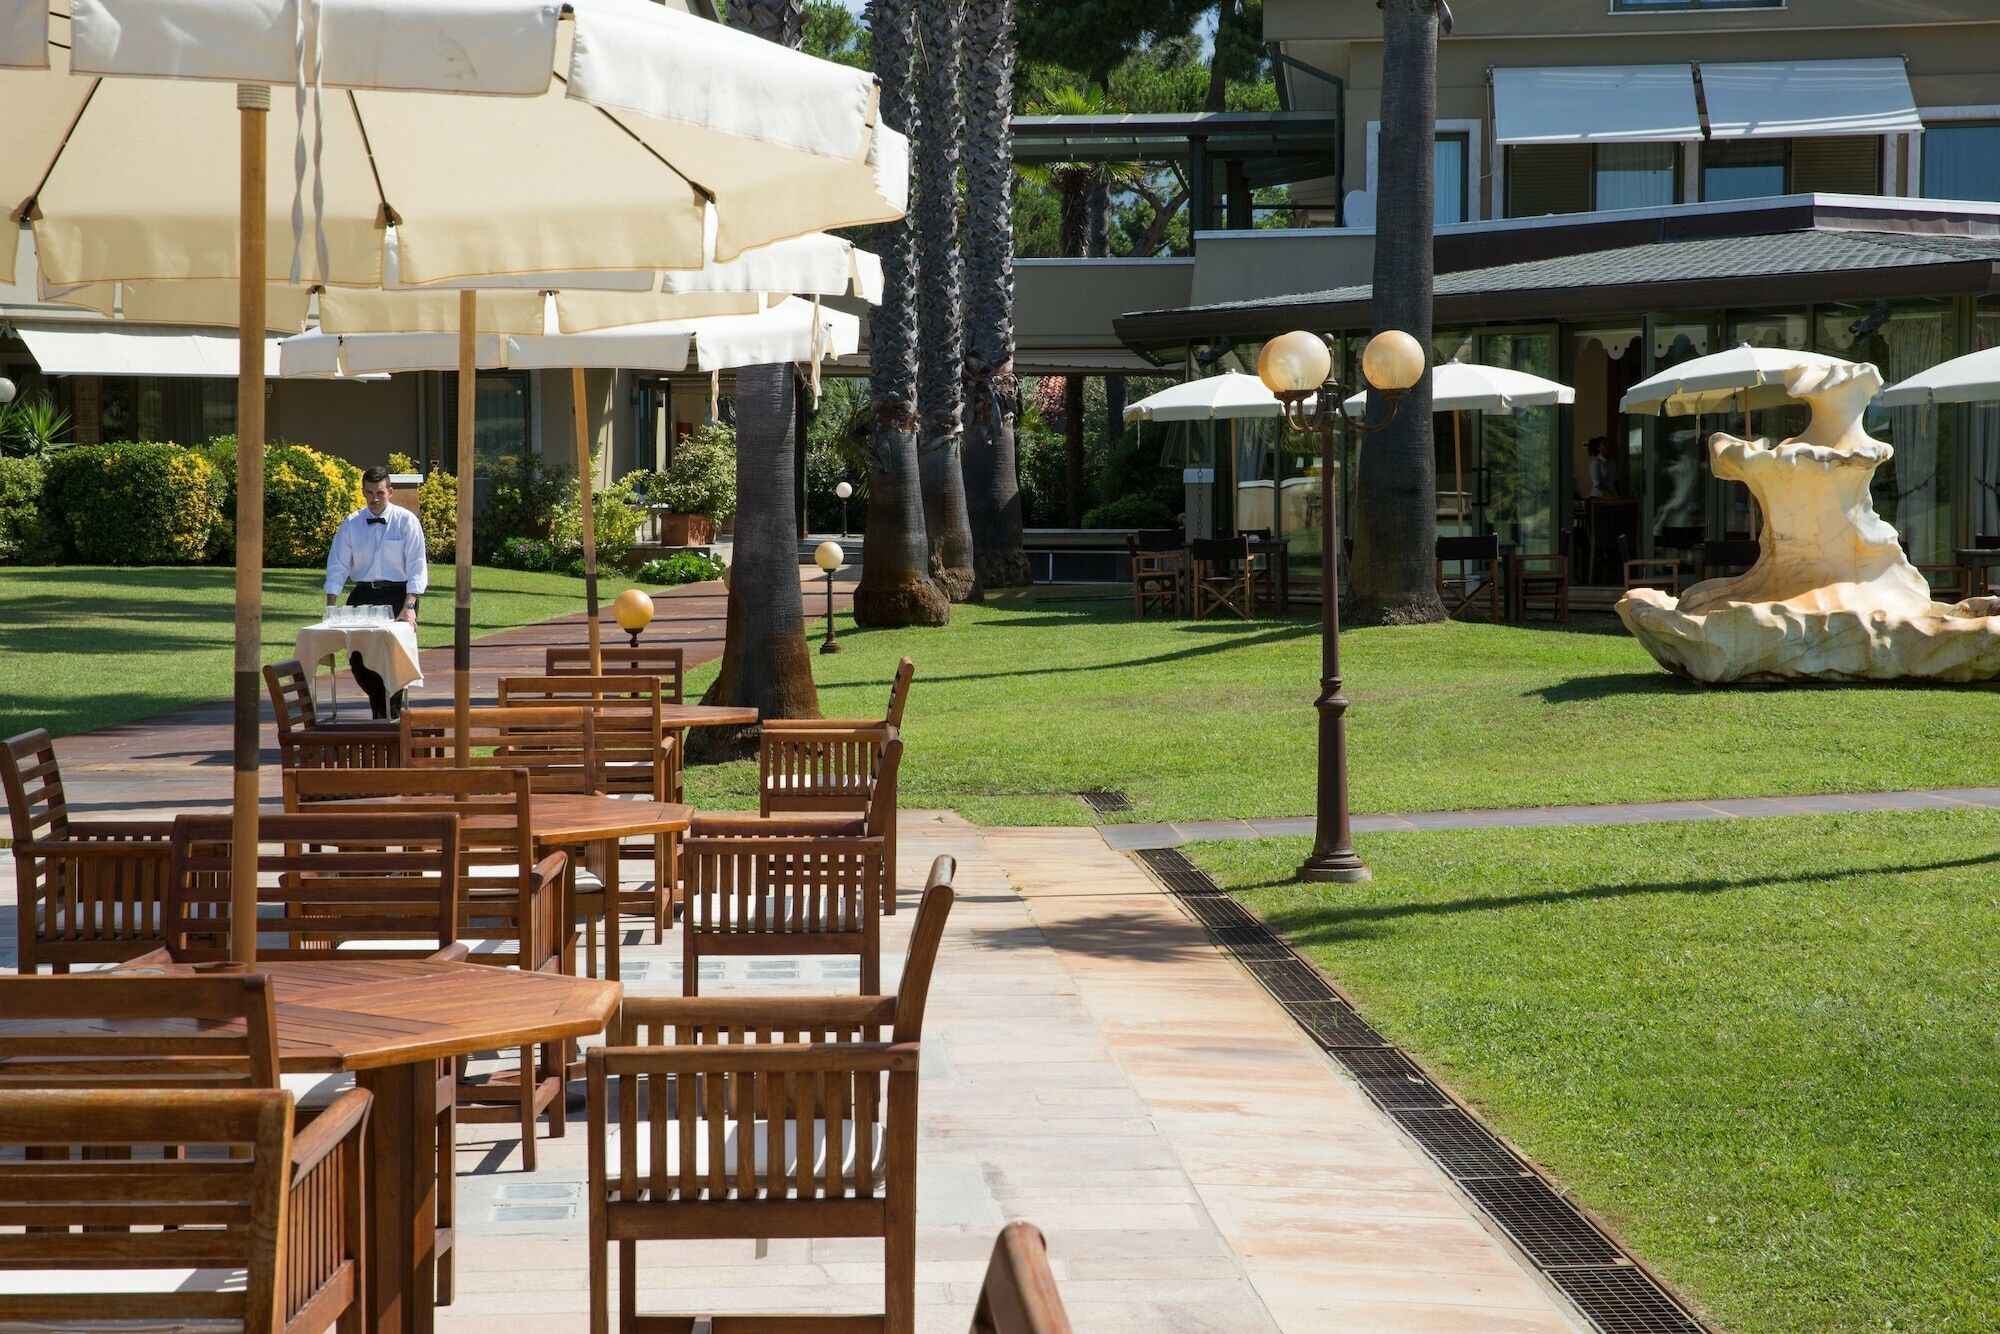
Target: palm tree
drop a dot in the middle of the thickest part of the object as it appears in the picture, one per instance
(896, 587)
(942, 352)
(1395, 520)
(992, 393)
(766, 662)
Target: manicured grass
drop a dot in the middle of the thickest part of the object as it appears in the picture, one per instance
(85, 647)
(1765, 1050)
(1027, 699)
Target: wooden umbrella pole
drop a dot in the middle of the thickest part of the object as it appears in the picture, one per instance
(253, 103)
(583, 482)
(461, 635)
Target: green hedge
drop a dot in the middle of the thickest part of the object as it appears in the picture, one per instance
(133, 504)
(306, 495)
(26, 535)
(437, 509)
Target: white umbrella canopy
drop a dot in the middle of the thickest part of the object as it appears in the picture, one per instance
(1740, 379)
(1464, 386)
(625, 126)
(1230, 394)
(1972, 378)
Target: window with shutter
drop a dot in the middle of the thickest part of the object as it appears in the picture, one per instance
(1837, 165)
(1548, 178)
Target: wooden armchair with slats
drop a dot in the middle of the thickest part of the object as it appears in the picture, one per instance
(637, 754)
(267, 1240)
(304, 742)
(835, 770)
(86, 892)
(657, 660)
(510, 906)
(200, 1032)
(751, 1116)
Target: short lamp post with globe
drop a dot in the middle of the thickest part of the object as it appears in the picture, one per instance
(844, 490)
(828, 556)
(1298, 368)
(634, 611)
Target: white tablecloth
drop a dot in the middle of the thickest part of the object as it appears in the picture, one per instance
(389, 650)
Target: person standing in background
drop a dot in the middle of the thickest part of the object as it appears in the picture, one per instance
(1603, 476)
(380, 548)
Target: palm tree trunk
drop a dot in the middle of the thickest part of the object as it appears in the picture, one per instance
(943, 347)
(1395, 522)
(992, 393)
(896, 587)
(766, 663)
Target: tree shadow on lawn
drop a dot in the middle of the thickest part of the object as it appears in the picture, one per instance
(1330, 923)
(1251, 640)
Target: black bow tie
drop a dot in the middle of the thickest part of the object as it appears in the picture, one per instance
(377, 518)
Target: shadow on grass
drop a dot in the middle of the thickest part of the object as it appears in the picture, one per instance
(1250, 640)
(1332, 923)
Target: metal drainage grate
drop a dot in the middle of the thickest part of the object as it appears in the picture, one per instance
(1612, 1291)
(1623, 1298)
(1105, 800)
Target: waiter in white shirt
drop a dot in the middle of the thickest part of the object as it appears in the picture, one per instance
(380, 547)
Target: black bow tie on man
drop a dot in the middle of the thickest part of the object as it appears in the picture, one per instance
(374, 519)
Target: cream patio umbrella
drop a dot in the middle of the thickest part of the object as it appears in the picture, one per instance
(1466, 386)
(623, 123)
(1744, 377)
(1972, 378)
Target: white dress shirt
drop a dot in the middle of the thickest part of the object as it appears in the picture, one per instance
(389, 552)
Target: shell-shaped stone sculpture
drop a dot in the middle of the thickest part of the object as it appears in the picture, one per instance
(1831, 596)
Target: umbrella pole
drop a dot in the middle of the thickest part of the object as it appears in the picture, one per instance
(1458, 468)
(583, 481)
(253, 104)
(461, 638)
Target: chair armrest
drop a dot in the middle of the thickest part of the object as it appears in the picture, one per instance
(748, 824)
(158, 958)
(549, 871)
(667, 770)
(372, 727)
(103, 838)
(825, 724)
(774, 1058)
(456, 952)
(344, 1116)
(776, 1012)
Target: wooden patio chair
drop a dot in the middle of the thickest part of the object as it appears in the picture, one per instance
(834, 768)
(1019, 1295)
(752, 1116)
(510, 906)
(1159, 571)
(1477, 576)
(86, 892)
(899, 697)
(304, 742)
(1980, 571)
(638, 756)
(268, 1240)
(661, 660)
(1223, 579)
(1660, 572)
(201, 1032)
(1544, 578)
(782, 895)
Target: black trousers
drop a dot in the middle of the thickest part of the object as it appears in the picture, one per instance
(380, 702)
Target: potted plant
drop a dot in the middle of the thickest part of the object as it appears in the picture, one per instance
(698, 486)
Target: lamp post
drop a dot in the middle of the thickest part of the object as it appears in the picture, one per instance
(634, 611)
(1298, 368)
(828, 555)
(844, 490)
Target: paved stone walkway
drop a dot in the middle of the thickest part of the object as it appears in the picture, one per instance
(1133, 837)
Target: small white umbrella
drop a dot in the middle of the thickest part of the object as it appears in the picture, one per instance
(1744, 377)
(1972, 378)
(1230, 394)
(1466, 386)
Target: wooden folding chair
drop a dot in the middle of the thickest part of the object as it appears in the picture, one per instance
(748, 1116)
(268, 1240)
(1478, 575)
(1223, 579)
(304, 742)
(1159, 571)
(86, 892)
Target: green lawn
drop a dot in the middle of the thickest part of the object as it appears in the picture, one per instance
(1765, 1050)
(84, 647)
(1027, 699)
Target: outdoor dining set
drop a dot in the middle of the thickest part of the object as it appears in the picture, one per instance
(186, 1136)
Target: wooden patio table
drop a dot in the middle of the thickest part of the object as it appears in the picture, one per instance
(389, 1022)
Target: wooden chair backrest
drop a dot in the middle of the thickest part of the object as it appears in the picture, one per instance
(184, 1197)
(1019, 1295)
(625, 712)
(290, 687)
(798, 1072)
(100, 1030)
(1212, 552)
(899, 692)
(781, 885)
(32, 780)
(372, 886)
(493, 807)
(663, 661)
(557, 747)
(832, 768)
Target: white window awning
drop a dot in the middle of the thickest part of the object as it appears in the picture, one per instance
(1585, 104)
(1788, 99)
(93, 348)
